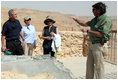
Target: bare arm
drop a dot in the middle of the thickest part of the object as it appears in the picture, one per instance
(21, 34)
(82, 23)
(34, 38)
(94, 33)
(3, 42)
(43, 37)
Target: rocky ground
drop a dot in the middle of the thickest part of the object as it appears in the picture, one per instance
(17, 75)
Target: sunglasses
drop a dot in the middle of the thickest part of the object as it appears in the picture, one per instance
(49, 21)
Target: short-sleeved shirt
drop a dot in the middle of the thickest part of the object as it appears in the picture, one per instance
(11, 29)
(47, 43)
(102, 24)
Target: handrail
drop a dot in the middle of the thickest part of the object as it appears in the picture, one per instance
(112, 48)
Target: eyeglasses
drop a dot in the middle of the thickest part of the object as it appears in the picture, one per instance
(49, 20)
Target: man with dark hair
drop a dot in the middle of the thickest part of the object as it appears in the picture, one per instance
(11, 32)
(100, 6)
(99, 33)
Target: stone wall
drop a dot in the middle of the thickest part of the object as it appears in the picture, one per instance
(71, 44)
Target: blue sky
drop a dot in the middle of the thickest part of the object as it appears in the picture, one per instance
(79, 8)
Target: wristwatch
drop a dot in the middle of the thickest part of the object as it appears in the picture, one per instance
(88, 31)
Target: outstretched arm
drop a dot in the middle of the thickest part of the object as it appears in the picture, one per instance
(82, 23)
(43, 37)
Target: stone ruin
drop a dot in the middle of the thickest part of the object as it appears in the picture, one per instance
(33, 67)
(73, 44)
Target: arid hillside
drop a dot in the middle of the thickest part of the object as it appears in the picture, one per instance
(63, 21)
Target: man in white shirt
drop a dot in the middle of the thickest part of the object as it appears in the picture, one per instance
(29, 36)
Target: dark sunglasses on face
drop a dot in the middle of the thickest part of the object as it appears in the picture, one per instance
(49, 20)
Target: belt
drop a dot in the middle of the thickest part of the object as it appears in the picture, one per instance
(29, 43)
(13, 40)
(102, 43)
(95, 42)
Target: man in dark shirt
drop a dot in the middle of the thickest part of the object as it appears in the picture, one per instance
(11, 32)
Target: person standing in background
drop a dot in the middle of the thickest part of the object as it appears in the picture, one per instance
(29, 36)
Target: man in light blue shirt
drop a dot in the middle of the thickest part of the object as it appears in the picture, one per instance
(29, 36)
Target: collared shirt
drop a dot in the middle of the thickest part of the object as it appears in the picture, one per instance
(102, 24)
(29, 34)
(11, 29)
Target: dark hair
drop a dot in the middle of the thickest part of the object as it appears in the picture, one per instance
(100, 6)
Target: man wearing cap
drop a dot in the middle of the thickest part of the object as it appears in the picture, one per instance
(29, 36)
(47, 35)
(11, 32)
(99, 34)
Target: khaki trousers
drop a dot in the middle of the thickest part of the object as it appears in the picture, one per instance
(95, 61)
(29, 49)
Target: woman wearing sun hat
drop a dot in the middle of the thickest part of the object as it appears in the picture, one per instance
(47, 34)
(29, 36)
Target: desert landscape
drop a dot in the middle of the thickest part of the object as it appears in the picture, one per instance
(72, 37)
(74, 42)
(63, 21)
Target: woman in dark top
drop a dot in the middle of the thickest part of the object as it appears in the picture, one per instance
(48, 34)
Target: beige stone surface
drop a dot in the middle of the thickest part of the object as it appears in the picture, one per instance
(17, 75)
(86, 44)
(71, 44)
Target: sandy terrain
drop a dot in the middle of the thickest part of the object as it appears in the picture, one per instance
(63, 21)
(16, 75)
